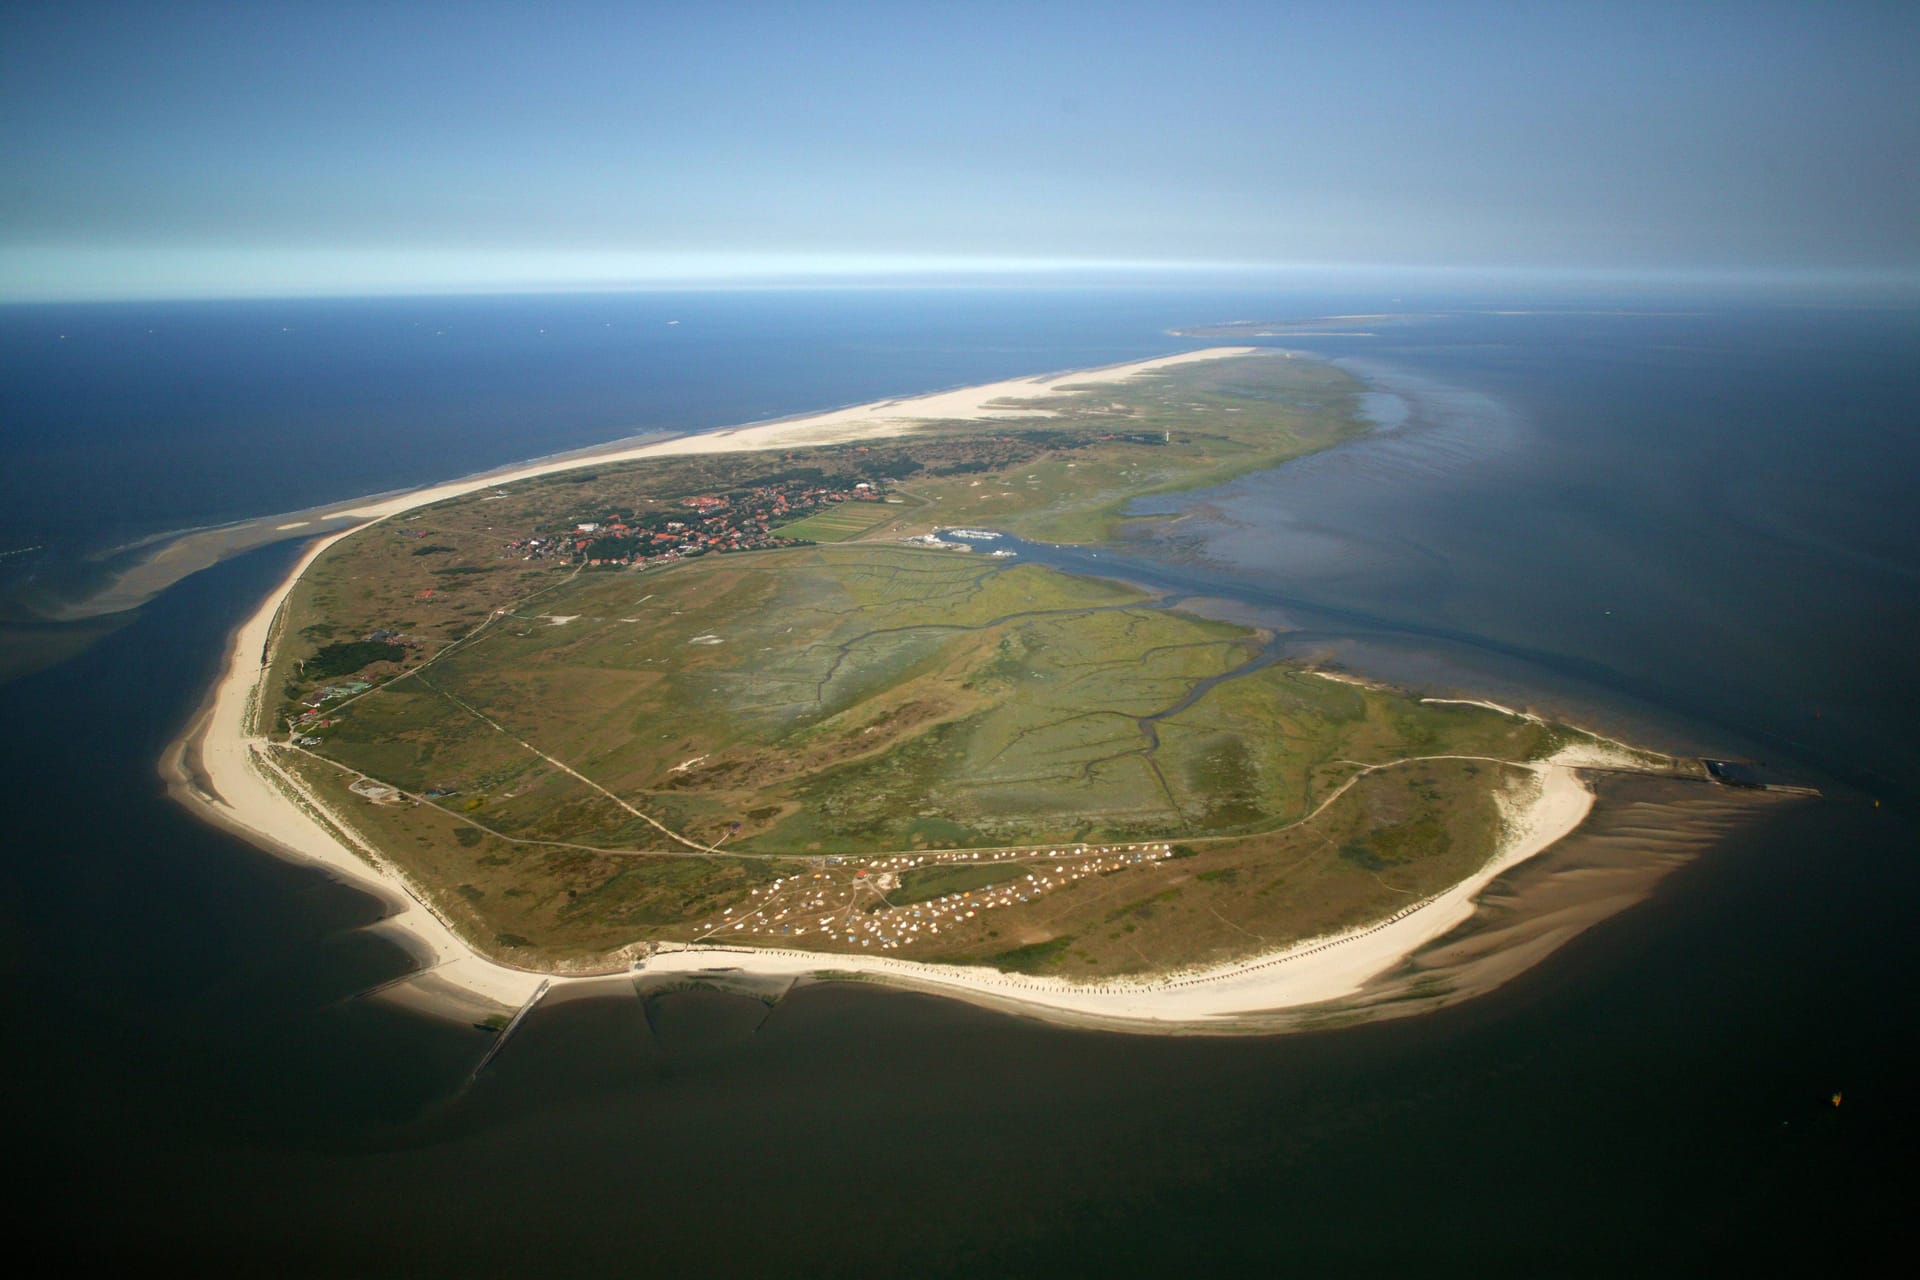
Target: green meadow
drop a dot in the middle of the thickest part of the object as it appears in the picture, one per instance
(583, 759)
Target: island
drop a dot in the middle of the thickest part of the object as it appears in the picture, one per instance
(805, 700)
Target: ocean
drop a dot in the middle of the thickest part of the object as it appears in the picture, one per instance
(1689, 520)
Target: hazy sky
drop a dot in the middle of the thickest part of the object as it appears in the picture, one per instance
(180, 148)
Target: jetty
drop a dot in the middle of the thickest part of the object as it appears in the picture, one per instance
(506, 1033)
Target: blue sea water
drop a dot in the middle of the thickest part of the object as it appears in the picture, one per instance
(1694, 521)
(1660, 517)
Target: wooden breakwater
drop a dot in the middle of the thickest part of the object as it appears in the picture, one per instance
(506, 1033)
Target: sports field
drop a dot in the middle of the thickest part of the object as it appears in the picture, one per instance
(838, 523)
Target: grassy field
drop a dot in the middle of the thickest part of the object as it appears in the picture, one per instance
(643, 754)
(859, 743)
(837, 524)
(1195, 425)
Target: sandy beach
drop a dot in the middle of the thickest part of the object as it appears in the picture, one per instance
(836, 426)
(150, 567)
(234, 783)
(1315, 971)
(244, 794)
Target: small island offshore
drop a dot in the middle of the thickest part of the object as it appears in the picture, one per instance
(799, 701)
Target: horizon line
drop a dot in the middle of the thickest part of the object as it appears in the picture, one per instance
(313, 275)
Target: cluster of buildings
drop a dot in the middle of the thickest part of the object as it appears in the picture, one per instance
(742, 521)
(314, 718)
(860, 913)
(314, 704)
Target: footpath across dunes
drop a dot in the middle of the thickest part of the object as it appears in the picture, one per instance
(583, 715)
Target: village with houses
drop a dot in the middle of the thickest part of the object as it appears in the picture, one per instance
(745, 520)
(877, 907)
(635, 534)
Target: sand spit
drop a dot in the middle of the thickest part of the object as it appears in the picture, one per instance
(1643, 829)
(223, 771)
